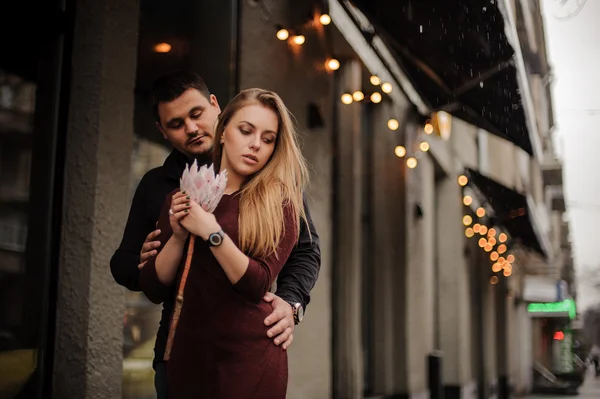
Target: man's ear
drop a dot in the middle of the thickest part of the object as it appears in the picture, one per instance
(159, 127)
(214, 102)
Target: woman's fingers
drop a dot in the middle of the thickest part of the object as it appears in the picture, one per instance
(179, 215)
(180, 207)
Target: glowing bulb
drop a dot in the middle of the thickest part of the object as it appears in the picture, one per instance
(333, 64)
(496, 267)
(492, 232)
(501, 260)
(424, 146)
(494, 256)
(393, 124)
(467, 200)
(482, 230)
(507, 273)
(358, 95)
(467, 220)
(162, 48)
(469, 232)
(375, 81)
(462, 180)
(510, 258)
(502, 249)
(494, 280)
(488, 247)
(492, 240)
(476, 227)
(347, 98)
(386, 87)
(400, 151)
(376, 98)
(299, 39)
(428, 129)
(411, 162)
(480, 212)
(482, 242)
(325, 19)
(502, 237)
(283, 34)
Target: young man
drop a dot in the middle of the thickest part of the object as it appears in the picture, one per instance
(186, 114)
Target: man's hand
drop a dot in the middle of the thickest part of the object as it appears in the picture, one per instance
(149, 248)
(282, 320)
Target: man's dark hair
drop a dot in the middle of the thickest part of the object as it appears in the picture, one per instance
(173, 84)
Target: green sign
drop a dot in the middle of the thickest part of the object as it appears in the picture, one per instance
(566, 306)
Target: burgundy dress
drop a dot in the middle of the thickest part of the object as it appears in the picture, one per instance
(221, 349)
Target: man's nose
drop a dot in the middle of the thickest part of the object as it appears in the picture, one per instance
(190, 127)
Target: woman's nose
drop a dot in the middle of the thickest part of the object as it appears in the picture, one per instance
(255, 144)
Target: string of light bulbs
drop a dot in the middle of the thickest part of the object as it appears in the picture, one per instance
(491, 239)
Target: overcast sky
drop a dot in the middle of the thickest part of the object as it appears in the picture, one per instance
(574, 51)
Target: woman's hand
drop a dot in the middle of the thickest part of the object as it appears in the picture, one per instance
(180, 205)
(199, 222)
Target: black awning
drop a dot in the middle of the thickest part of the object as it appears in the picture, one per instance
(457, 56)
(510, 209)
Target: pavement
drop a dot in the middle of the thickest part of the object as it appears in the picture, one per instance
(589, 390)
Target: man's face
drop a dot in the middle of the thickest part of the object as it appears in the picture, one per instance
(188, 122)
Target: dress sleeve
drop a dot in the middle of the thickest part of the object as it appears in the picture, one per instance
(261, 272)
(152, 287)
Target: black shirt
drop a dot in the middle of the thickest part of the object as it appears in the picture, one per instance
(295, 281)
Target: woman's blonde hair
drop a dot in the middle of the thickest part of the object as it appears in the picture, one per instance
(278, 184)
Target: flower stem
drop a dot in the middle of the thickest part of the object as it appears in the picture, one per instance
(179, 299)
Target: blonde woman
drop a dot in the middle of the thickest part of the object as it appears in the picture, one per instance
(221, 349)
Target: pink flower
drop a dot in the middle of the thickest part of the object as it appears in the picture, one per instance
(203, 186)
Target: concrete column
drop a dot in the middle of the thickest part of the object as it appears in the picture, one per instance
(347, 341)
(454, 326)
(89, 330)
(419, 286)
(388, 207)
(502, 347)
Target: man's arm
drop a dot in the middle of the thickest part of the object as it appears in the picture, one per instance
(124, 262)
(300, 273)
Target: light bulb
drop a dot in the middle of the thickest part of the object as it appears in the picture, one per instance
(400, 151)
(480, 212)
(386, 87)
(376, 98)
(283, 34)
(424, 146)
(358, 96)
(502, 237)
(428, 128)
(393, 124)
(467, 200)
(299, 39)
(494, 256)
(325, 19)
(462, 180)
(467, 220)
(162, 48)
(411, 162)
(347, 98)
(469, 232)
(333, 64)
(375, 81)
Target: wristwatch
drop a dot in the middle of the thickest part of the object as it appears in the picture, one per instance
(216, 239)
(298, 311)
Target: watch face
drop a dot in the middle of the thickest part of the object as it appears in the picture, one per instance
(215, 239)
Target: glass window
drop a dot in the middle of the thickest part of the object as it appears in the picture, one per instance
(18, 348)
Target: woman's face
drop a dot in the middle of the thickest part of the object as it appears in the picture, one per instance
(249, 140)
